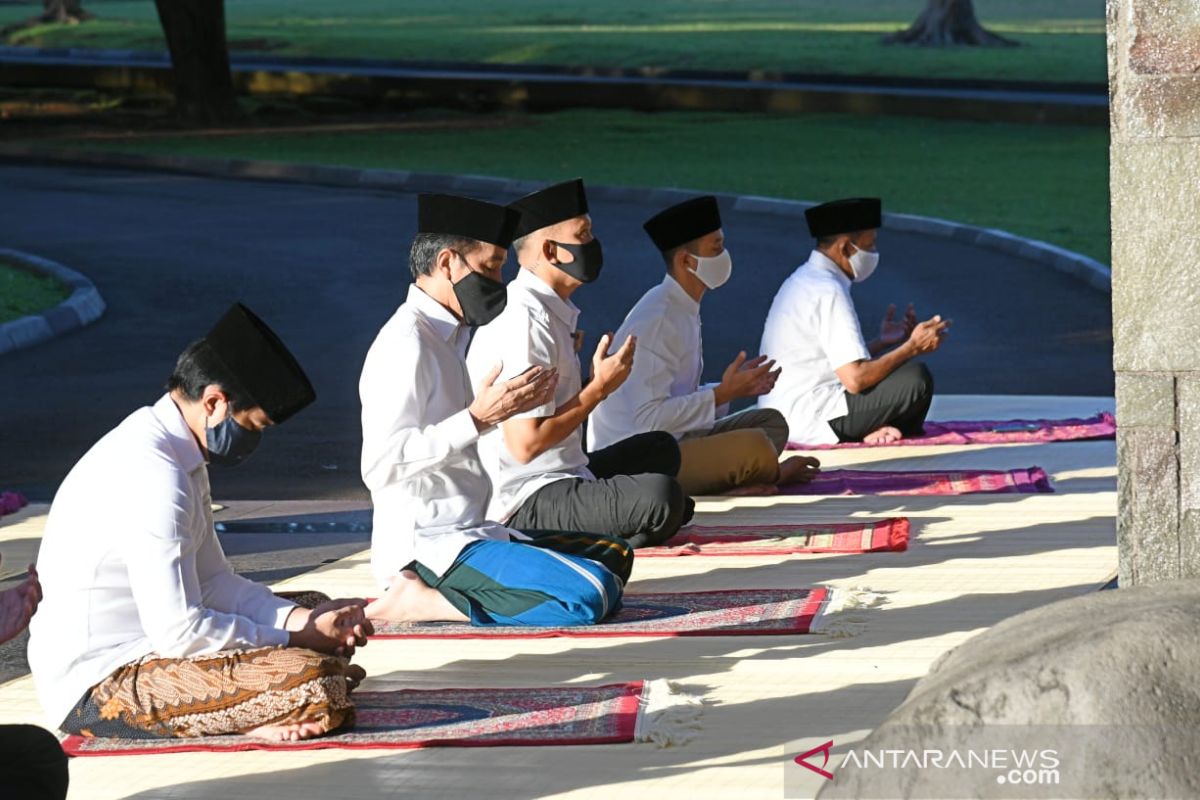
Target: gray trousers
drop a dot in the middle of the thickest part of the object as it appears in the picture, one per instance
(635, 495)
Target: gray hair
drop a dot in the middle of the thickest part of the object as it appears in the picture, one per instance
(426, 246)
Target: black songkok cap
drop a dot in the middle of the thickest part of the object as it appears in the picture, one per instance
(257, 360)
(684, 222)
(466, 217)
(550, 206)
(844, 216)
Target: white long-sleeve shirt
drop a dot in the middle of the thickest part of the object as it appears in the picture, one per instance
(130, 565)
(419, 456)
(663, 392)
(536, 328)
(811, 330)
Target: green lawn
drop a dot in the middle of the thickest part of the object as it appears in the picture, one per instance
(1046, 182)
(22, 293)
(1063, 39)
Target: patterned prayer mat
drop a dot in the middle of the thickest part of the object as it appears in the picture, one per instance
(770, 540)
(729, 612)
(409, 718)
(849, 481)
(1011, 431)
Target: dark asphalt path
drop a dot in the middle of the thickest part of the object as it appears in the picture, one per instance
(327, 266)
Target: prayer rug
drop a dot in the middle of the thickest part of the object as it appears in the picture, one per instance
(1012, 431)
(12, 502)
(770, 540)
(850, 481)
(410, 718)
(729, 612)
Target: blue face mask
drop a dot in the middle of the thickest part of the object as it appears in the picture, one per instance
(229, 444)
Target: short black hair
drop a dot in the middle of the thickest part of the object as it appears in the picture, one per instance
(198, 367)
(426, 246)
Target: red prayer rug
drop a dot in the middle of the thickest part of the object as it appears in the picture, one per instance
(1004, 431)
(770, 540)
(1032, 480)
(728, 612)
(410, 718)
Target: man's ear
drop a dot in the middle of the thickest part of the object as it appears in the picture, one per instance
(550, 251)
(442, 262)
(212, 399)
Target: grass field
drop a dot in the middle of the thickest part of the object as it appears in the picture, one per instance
(1049, 183)
(22, 293)
(1063, 40)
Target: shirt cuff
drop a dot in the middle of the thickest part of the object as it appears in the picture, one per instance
(460, 429)
(272, 637)
(283, 609)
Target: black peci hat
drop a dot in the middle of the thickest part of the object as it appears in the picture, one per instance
(550, 206)
(466, 217)
(684, 222)
(257, 360)
(844, 216)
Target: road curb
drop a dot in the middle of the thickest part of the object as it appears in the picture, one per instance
(1087, 270)
(83, 307)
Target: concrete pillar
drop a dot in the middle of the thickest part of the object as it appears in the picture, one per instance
(1154, 86)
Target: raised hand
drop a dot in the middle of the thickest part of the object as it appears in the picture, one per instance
(927, 336)
(610, 370)
(496, 401)
(18, 604)
(893, 331)
(744, 378)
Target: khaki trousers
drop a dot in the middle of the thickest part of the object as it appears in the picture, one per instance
(740, 450)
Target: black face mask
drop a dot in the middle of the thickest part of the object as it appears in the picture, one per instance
(482, 299)
(228, 443)
(589, 258)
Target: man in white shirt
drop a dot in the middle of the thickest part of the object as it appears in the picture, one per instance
(433, 548)
(720, 452)
(145, 630)
(835, 387)
(542, 477)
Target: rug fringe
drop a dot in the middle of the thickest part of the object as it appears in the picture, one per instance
(840, 616)
(667, 715)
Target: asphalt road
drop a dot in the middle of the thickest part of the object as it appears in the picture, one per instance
(326, 267)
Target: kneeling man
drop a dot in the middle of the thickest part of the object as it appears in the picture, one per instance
(835, 387)
(719, 452)
(145, 630)
(432, 548)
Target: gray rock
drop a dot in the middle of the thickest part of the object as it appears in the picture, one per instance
(1107, 681)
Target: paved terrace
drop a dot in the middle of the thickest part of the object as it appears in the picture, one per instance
(974, 561)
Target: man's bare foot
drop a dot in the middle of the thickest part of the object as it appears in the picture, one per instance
(798, 469)
(290, 732)
(410, 599)
(885, 435)
(754, 490)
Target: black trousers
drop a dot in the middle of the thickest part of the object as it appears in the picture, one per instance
(32, 764)
(901, 400)
(635, 495)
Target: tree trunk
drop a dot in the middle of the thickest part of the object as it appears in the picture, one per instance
(948, 22)
(195, 32)
(69, 11)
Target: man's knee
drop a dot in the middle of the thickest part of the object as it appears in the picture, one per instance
(663, 499)
(775, 426)
(918, 379)
(662, 453)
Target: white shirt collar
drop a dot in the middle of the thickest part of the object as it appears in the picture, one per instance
(819, 260)
(677, 295)
(183, 443)
(565, 310)
(443, 321)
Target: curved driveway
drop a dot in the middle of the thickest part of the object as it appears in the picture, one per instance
(327, 266)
